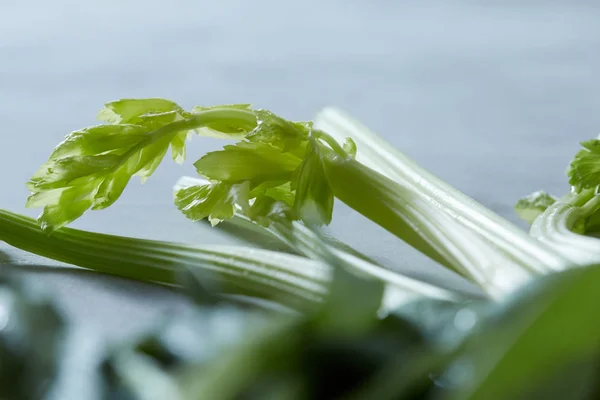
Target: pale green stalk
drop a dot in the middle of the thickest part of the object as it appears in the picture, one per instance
(556, 226)
(411, 217)
(381, 156)
(496, 254)
(289, 279)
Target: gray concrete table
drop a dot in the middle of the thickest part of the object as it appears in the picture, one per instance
(491, 96)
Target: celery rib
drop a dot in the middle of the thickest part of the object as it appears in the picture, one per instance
(499, 234)
(555, 227)
(291, 280)
(410, 217)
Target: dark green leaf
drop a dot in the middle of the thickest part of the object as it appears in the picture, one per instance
(31, 336)
(533, 339)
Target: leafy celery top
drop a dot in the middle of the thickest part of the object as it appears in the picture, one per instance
(275, 170)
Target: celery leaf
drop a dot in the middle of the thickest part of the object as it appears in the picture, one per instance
(214, 200)
(256, 161)
(584, 171)
(314, 197)
(92, 166)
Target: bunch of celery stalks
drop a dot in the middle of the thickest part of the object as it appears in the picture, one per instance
(278, 183)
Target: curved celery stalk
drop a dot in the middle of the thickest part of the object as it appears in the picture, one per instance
(500, 235)
(555, 227)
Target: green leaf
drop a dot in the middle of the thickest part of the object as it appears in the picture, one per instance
(584, 171)
(111, 189)
(149, 158)
(135, 111)
(214, 200)
(267, 161)
(314, 197)
(93, 172)
(530, 207)
(267, 203)
(278, 189)
(100, 139)
(254, 161)
(66, 171)
(282, 193)
(85, 152)
(152, 114)
(284, 169)
(534, 341)
(92, 166)
(178, 147)
(285, 135)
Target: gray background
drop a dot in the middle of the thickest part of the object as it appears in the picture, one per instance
(493, 96)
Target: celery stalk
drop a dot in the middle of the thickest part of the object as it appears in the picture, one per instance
(516, 256)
